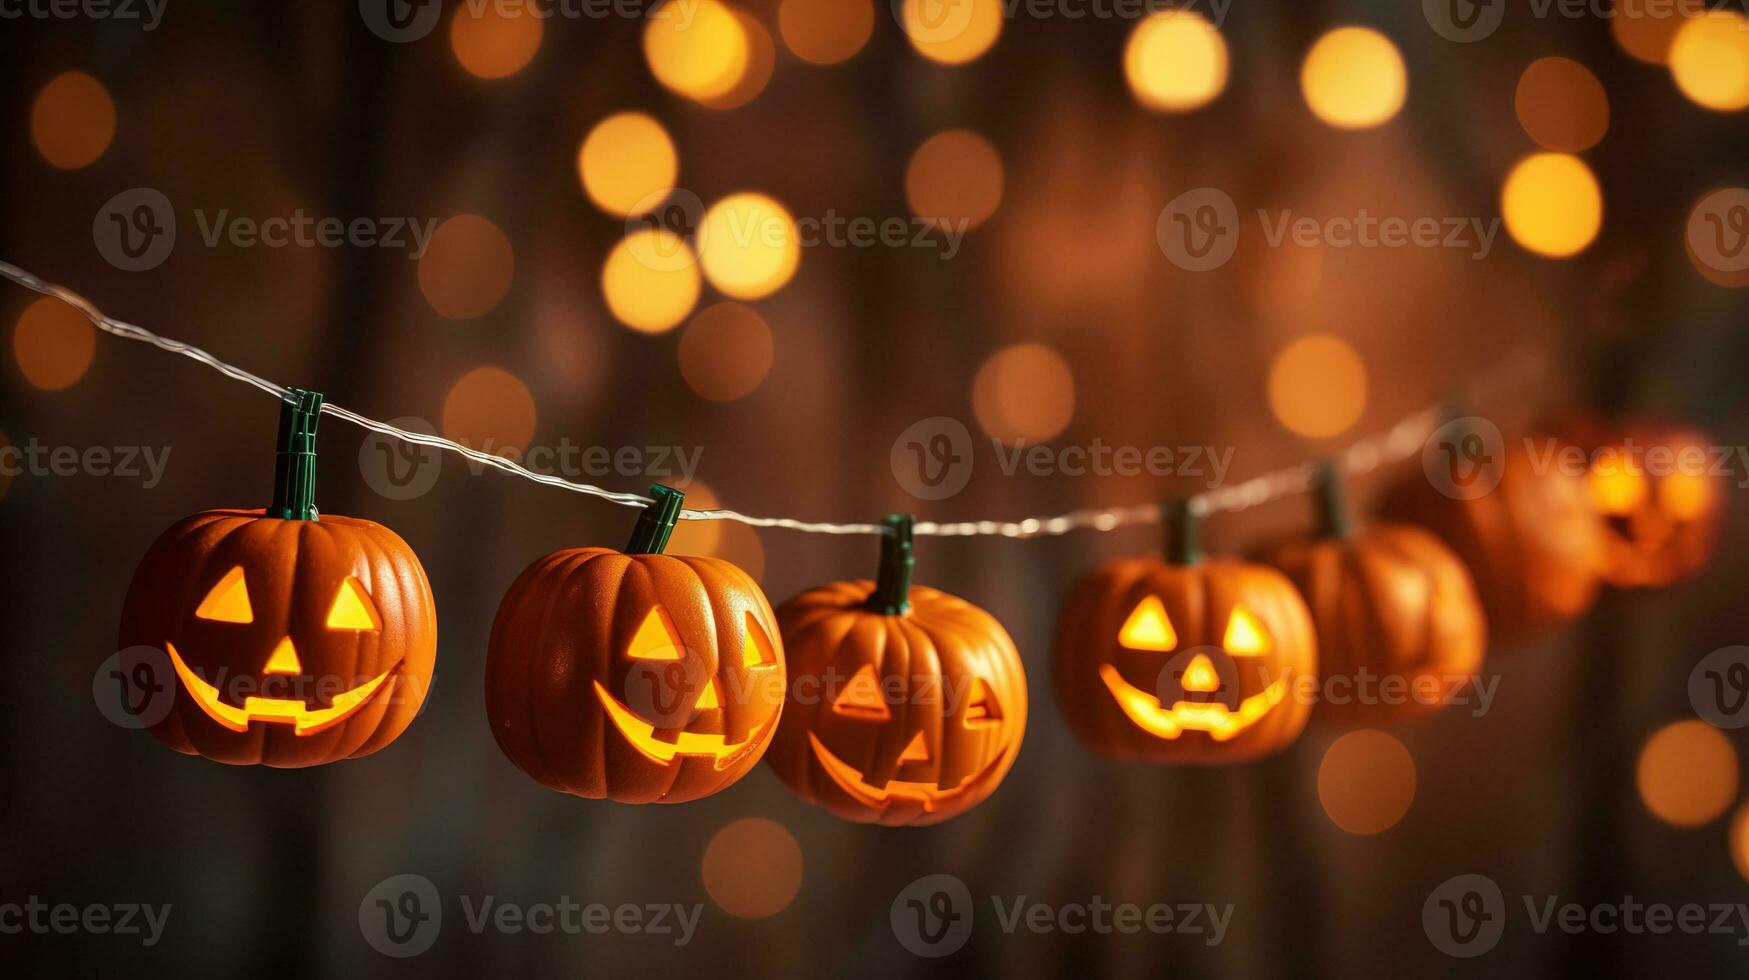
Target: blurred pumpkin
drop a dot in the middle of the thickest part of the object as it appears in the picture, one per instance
(1396, 613)
(634, 676)
(1660, 501)
(1185, 660)
(907, 705)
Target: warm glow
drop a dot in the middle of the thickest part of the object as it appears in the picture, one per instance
(1200, 676)
(1220, 723)
(1353, 77)
(656, 638)
(283, 711)
(72, 121)
(1148, 627)
(642, 736)
(53, 344)
(1687, 773)
(1645, 32)
(1561, 105)
(1317, 386)
(491, 410)
(748, 246)
(650, 281)
(1366, 782)
(916, 752)
(1025, 392)
(494, 40)
(1616, 488)
(467, 267)
(1709, 58)
(1552, 204)
(698, 49)
(761, 60)
(952, 32)
(352, 610)
(1175, 61)
(1686, 496)
(954, 179)
(625, 160)
(756, 648)
(725, 352)
(1245, 636)
(753, 868)
(228, 601)
(1739, 842)
(825, 32)
(284, 661)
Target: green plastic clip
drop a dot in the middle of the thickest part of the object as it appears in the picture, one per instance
(1183, 532)
(294, 466)
(1331, 499)
(656, 522)
(892, 593)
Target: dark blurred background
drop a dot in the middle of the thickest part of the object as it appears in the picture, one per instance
(1060, 319)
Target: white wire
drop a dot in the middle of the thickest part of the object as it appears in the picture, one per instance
(1397, 443)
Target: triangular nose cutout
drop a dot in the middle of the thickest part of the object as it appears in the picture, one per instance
(917, 751)
(709, 698)
(1201, 675)
(284, 659)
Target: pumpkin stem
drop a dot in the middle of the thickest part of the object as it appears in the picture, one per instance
(656, 522)
(1183, 532)
(1334, 519)
(892, 593)
(294, 467)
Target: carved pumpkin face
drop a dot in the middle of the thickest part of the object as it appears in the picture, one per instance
(1659, 504)
(1185, 663)
(639, 678)
(904, 719)
(293, 642)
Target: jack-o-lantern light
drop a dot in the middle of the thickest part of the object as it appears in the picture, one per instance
(295, 639)
(1187, 659)
(1396, 612)
(907, 705)
(635, 676)
(1660, 501)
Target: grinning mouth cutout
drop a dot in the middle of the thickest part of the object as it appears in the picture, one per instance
(304, 719)
(1220, 722)
(928, 795)
(642, 735)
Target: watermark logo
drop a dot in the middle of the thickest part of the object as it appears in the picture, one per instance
(398, 469)
(932, 458)
(134, 688)
(1718, 230)
(933, 21)
(1464, 21)
(144, 463)
(400, 21)
(1718, 687)
(42, 918)
(1199, 229)
(1465, 916)
(401, 916)
(135, 230)
(149, 13)
(1464, 458)
(932, 916)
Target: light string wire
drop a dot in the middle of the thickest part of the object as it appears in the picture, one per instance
(1397, 443)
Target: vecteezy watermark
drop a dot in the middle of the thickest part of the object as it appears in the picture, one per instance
(681, 212)
(33, 915)
(1465, 21)
(1211, 675)
(401, 21)
(148, 13)
(1718, 230)
(934, 916)
(932, 458)
(401, 916)
(1464, 458)
(144, 463)
(1200, 229)
(1718, 687)
(135, 688)
(1467, 915)
(136, 230)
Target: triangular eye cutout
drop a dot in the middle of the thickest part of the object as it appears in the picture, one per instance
(917, 751)
(983, 709)
(228, 602)
(656, 639)
(1245, 637)
(1148, 628)
(756, 649)
(351, 610)
(861, 698)
(708, 699)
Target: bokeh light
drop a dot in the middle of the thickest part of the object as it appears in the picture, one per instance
(825, 32)
(491, 410)
(72, 121)
(1552, 204)
(1709, 58)
(53, 344)
(753, 868)
(1024, 392)
(650, 280)
(1317, 386)
(748, 245)
(725, 352)
(761, 60)
(700, 52)
(467, 267)
(1561, 105)
(954, 179)
(954, 32)
(1645, 30)
(494, 40)
(1353, 78)
(1714, 228)
(1366, 781)
(1739, 842)
(625, 160)
(1687, 773)
(1175, 61)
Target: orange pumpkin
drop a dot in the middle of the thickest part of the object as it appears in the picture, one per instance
(1660, 502)
(906, 706)
(1185, 660)
(294, 639)
(1400, 629)
(635, 676)
(1532, 543)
